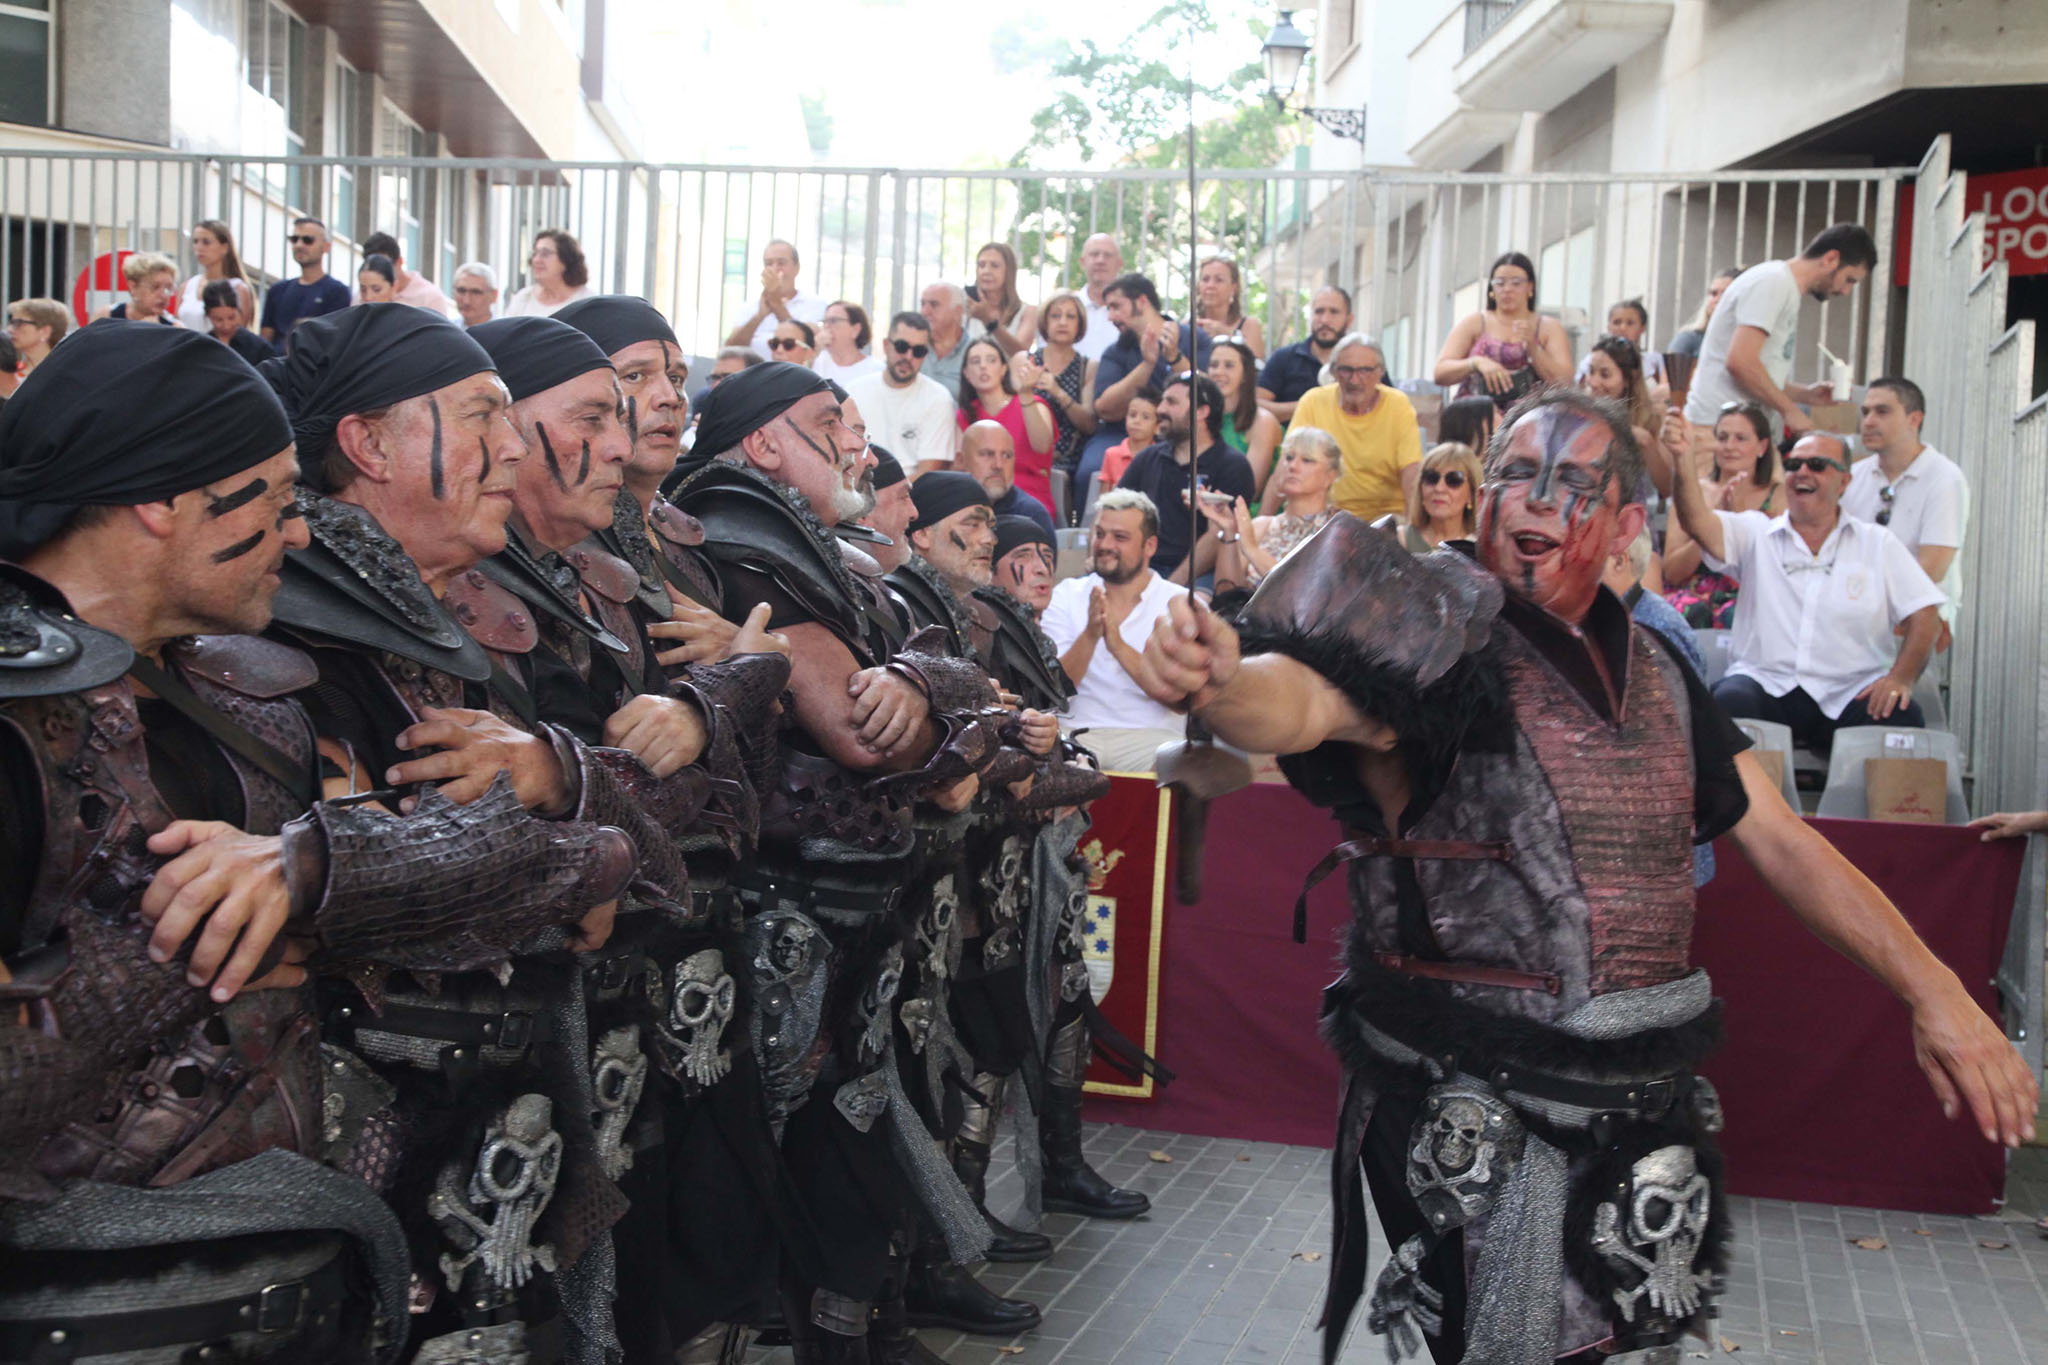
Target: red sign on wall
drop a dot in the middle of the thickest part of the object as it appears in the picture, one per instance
(2015, 209)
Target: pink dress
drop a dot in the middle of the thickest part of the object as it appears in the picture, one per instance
(1034, 466)
(1511, 356)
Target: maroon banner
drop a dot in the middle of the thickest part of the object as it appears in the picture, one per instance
(1824, 1100)
(1125, 848)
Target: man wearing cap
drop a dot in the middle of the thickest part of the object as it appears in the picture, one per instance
(866, 733)
(163, 848)
(1025, 556)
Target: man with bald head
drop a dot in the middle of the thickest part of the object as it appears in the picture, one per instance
(1522, 775)
(1102, 260)
(989, 453)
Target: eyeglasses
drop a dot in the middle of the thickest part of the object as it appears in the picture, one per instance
(905, 348)
(783, 343)
(1884, 513)
(307, 239)
(1356, 371)
(1815, 463)
(1507, 282)
(1449, 478)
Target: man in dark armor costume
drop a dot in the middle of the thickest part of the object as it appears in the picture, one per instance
(1521, 775)
(171, 1083)
(865, 733)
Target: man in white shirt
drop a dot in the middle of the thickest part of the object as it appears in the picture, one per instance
(1747, 351)
(908, 413)
(1100, 624)
(780, 301)
(1102, 260)
(1821, 595)
(1910, 489)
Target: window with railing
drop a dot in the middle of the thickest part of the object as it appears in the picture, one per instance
(402, 193)
(27, 61)
(1482, 17)
(273, 100)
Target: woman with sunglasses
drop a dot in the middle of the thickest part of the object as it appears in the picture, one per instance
(1247, 428)
(1444, 503)
(987, 392)
(1507, 348)
(1219, 307)
(1243, 548)
(1745, 478)
(794, 341)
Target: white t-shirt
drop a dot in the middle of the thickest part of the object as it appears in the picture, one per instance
(800, 306)
(825, 365)
(1100, 333)
(1930, 506)
(1822, 622)
(1107, 698)
(527, 302)
(1764, 296)
(913, 423)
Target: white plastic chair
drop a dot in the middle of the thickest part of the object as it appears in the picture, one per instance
(1772, 737)
(1933, 710)
(1716, 648)
(1848, 798)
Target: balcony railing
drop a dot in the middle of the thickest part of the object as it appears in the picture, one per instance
(1482, 17)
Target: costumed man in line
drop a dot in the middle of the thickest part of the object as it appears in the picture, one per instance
(1025, 556)
(1521, 774)
(864, 734)
(728, 1206)
(411, 463)
(169, 874)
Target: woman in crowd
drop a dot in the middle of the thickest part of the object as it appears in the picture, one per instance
(843, 336)
(1244, 548)
(224, 322)
(1688, 341)
(1469, 422)
(1062, 376)
(1219, 306)
(377, 279)
(151, 280)
(992, 300)
(560, 276)
(794, 341)
(1141, 429)
(1247, 428)
(987, 391)
(1507, 348)
(1614, 369)
(1630, 320)
(213, 246)
(1745, 478)
(35, 326)
(1444, 504)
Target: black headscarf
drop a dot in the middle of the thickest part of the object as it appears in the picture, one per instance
(361, 359)
(124, 413)
(533, 355)
(616, 321)
(750, 400)
(1013, 531)
(939, 495)
(888, 469)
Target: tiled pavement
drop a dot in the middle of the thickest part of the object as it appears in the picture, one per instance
(1229, 1267)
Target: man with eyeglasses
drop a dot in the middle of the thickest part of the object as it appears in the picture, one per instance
(476, 293)
(909, 412)
(1374, 424)
(1822, 594)
(314, 292)
(1911, 489)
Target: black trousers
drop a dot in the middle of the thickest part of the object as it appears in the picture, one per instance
(1745, 697)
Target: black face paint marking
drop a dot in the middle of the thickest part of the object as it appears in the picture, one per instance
(239, 548)
(434, 470)
(633, 421)
(583, 469)
(958, 543)
(547, 454)
(241, 497)
(484, 448)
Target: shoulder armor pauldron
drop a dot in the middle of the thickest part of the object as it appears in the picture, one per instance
(45, 650)
(603, 572)
(932, 601)
(248, 664)
(492, 614)
(751, 521)
(1022, 644)
(675, 525)
(547, 583)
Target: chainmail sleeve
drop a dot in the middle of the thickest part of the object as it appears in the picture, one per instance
(618, 790)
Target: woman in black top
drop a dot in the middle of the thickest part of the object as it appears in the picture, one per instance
(224, 321)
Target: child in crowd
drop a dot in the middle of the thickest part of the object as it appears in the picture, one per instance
(1141, 429)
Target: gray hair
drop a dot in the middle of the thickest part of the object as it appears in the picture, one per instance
(481, 271)
(1131, 500)
(1320, 442)
(954, 292)
(1350, 339)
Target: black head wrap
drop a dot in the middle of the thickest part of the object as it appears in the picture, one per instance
(616, 321)
(532, 355)
(123, 414)
(750, 400)
(888, 469)
(939, 495)
(361, 359)
(1012, 531)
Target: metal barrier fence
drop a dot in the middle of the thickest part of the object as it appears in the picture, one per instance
(1977, 373)
(1412, 247)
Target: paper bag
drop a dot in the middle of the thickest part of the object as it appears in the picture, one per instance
(1914, 790)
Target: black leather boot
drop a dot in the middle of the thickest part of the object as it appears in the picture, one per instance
(941, 1294)
(1071, 1184)
(825, 1328)
(893, 1341)
(1008, 1244)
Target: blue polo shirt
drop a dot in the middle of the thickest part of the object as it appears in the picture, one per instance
(1123, 356)
(1291, 372)
(288, 301)
(1018, 503)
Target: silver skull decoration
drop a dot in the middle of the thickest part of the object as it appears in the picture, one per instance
(699, 1008)
(879, 1001)
(618, 1073)
(490, 1219)
(1668, 1203)
(1464, 1147)
(935, 929)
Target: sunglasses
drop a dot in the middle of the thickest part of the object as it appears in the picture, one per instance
(783, 343)
(1884, 513)
(905, 348)
(303, 240)
(1449, 478)
(1815, 463)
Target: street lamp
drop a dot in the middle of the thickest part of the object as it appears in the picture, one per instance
(1286, 49)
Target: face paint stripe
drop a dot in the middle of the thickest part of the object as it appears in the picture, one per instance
(547, 454)
(434, 469)
(239, 548)
(583, 469)
(241, 497)
(484, 448)
(633, 421)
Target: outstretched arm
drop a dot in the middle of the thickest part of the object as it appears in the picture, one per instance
(1964, 1054)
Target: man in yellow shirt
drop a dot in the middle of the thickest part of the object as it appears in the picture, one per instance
(1374, 425)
